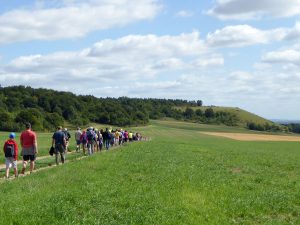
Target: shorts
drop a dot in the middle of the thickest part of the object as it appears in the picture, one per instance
(10, 161)
(59, 149)
(28, 151)
(29, 157)
(78, 142)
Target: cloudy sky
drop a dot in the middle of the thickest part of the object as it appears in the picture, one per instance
(237, 53)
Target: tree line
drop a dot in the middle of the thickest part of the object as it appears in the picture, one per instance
(45, 109)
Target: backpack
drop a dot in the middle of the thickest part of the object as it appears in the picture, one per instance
(67, 135)
(84, 137)
(9, 150)
(90, 135)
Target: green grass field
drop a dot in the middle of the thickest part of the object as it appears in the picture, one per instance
(179, 177)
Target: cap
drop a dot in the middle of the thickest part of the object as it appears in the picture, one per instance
(12, 135)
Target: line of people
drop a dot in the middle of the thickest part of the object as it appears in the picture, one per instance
(90, 140)
(94, 140)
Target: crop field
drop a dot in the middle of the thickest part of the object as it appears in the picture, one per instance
(180, 177)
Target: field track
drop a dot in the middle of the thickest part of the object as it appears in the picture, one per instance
(253, 137)
(51, 165)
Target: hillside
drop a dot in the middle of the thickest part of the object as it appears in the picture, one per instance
(244, 116)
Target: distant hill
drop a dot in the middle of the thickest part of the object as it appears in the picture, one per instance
(240, 117)
(285, 121)
(243, 115)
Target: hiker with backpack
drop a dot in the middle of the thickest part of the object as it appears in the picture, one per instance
(59, 144)
(90, 140)
(29, 147)
(106, 138)
(78, 134)
(100, 140)
(121, 137)
(95, 140)
(67, 137)
(10, 149)
(83, 140)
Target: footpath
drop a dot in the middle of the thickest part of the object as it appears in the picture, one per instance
(52, 165)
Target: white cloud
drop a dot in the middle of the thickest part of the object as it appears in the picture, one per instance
(72, 19)
(213, 61)
(243, 35)
(127, 59)
(184, 14)
(246, 9)
(282, 57)
(294, 33)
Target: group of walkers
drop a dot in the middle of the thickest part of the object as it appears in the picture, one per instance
(93, 140)
(90, 141)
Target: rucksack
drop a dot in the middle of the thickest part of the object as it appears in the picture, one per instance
(67, 135)
(9, 150)
(90, 135)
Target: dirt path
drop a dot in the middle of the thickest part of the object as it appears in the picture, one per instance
(254, 137)
(2, 166)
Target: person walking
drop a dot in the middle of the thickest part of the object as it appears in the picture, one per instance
(10, 149)
(100, 140)
(78, 134)
(67, 137)
(106, 138)
(90, 140)
(29, 147)
(83, 140)
(59, 144)
(130, 136)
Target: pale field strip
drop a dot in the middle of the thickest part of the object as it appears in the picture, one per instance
(253, 137)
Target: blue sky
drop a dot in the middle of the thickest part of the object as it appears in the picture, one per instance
(235, 53)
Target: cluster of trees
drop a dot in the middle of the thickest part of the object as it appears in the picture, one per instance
(294, 127)
(265, 127)
(210, 116)
(46, 109)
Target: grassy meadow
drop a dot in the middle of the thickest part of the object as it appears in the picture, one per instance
(179, 177)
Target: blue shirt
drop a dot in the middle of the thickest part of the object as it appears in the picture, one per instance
(59, 137)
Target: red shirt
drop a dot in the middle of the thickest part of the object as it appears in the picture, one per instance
(28, 138)
(12, 142)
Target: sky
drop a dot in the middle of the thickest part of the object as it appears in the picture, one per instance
(236, 53)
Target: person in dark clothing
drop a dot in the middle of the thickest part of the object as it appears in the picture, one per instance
(106, 138)
(59, 141)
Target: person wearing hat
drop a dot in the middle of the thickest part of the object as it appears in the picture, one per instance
(10, 150)
(29, 147)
